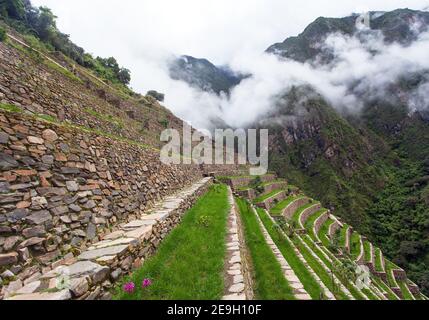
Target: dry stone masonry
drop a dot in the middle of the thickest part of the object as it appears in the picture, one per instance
(62, 189)
(90, 275)
(237, 286)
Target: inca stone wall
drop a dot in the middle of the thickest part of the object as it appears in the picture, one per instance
(272, 201)
(275, 186)
(237, 182)
(62, 189)
(91, 274)
(40, 89)
(291, 208)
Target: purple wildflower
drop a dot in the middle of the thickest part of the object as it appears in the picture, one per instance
(129, 287)
(146, 283)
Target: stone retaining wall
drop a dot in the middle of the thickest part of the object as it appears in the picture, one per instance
(320, 221)
(307, 213)
(333, 228)
(248, 194)
(91, 274)
(271, 202)
(237, 182)
(62, 188)
(289, 211)
(275, 186)
(237, 286)
(349, 233)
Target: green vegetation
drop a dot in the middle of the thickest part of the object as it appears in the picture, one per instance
(367, 251)
(109, 118)
(266, 196)
(400, 219)
(405, 291)
(310, 222)
(3, 35)
(377, 262)
(324, 232)
(158, 96)
(269, 281)
(343, 236)
(279, 207)
(309, 283)
(355, 245)
(319, 270)
(298, 212)
(10, 108)
(40, 23)
(385, 288)
(52, 119)
(189, 263)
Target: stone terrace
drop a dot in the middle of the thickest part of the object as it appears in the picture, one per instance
(90, 275)
(62, 189)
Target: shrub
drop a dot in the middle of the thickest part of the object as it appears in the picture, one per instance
(3, 35)
(158, 96)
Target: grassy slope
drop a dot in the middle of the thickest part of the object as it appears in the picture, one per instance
(269, 282)
(310, 285)
(324, 231)
(266, 196)
(189, 263)
(279, 207)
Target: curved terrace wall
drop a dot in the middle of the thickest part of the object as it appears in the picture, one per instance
(289, 211)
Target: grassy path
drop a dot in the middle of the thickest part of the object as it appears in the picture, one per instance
(269, 281)
(190, 261)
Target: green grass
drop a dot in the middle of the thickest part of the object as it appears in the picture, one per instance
(343, 236)
(382, 285)
(273, 182)
(298, 212)
(269, 281)
(377, 262)
(10, 108)
(355, 248)
(353, 291)
(367, 251)
(279, 207)
(324, 231)
(311, 220)
(109, 118)
(307, 280)
(189, 263)
(405, 292)
(390, 277)
(266, 196)
(319, 270)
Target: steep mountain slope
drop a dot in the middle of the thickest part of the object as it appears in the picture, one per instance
(402, 26)
(202, 74)
(382, 191)
(371, 167)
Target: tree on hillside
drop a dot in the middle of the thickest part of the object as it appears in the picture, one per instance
(46, 26)
(12, 9)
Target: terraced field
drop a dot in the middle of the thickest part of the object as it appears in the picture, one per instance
(321, 257)
(287, 249)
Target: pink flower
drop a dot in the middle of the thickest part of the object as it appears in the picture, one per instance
(129, 287)
(146, 283)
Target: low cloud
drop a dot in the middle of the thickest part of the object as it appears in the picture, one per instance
(364, 68)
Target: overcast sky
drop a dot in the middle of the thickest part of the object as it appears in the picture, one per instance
(142, 33)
